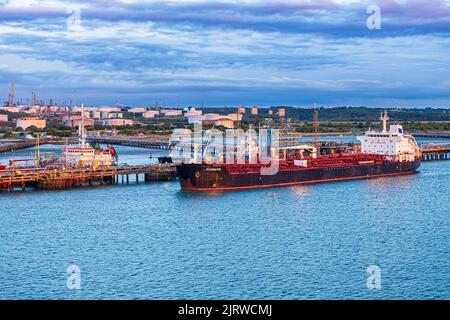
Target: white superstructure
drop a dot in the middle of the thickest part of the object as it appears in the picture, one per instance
(392, 143)
(83, 155)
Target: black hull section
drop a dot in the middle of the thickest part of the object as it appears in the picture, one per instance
(205, 177)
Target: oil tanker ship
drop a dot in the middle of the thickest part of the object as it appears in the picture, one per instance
(383, 153)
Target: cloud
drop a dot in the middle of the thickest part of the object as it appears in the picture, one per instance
(227, 51)
(326, 16)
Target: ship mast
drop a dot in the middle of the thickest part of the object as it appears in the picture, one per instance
(384, 117)
(316, 129)
(81, 133)
(38, 153)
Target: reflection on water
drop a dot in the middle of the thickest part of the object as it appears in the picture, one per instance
(153, 241)
(300, 191)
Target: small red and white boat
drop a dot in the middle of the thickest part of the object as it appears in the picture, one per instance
(85, 155)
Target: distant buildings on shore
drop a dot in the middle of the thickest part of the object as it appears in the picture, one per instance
(3, 118)
(115, 116)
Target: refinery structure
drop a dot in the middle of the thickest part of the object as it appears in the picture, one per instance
(35, 112)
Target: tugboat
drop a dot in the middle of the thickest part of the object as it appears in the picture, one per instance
(85, 155)
(383, 153)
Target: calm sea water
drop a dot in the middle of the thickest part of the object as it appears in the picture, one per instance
(153, 241)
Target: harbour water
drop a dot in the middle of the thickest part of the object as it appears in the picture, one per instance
(153, 241)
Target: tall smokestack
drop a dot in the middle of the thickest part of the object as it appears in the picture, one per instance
(12, 93)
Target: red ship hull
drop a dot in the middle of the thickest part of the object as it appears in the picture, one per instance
(204, 177)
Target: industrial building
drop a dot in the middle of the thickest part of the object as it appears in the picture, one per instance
(25, 123)
(116, 122)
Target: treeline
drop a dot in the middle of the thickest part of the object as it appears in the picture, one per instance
(427, 126)
(370, 114)
(362, 126)
(346, 113)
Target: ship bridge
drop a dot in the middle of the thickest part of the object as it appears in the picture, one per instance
(392, 143)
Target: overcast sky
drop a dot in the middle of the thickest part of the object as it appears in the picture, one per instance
(227, 52)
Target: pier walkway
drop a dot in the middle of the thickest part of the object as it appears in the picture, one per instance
(20, 145)
(58, 179)
(24, 144)
(435, 151)
(140, 143)
(441, 135)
